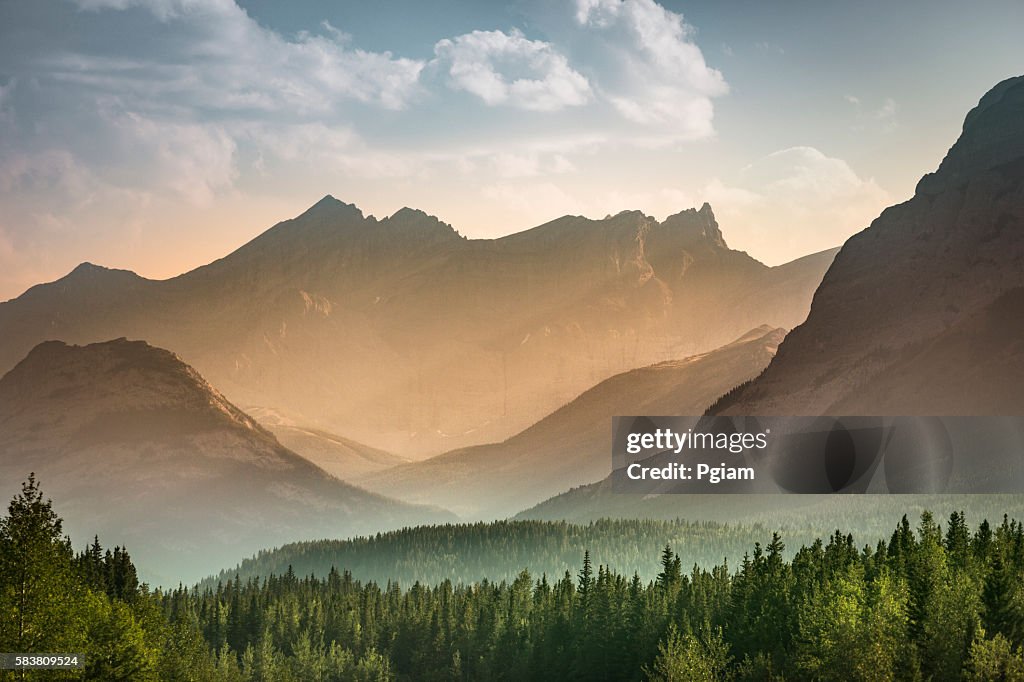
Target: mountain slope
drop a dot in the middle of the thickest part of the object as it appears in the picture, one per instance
(401, 334)
(572, 445)
(921, 313)
(137, 446)
(337, 455)
(892, 326)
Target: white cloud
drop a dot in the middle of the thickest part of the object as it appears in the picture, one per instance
(720, 194)
(654, 74)
(795, 201)
(805, 173)
(195, 106)
(179, 117)
(508, 68)
(331, 150)
(225, 60)
(164, 9)
(189, 160)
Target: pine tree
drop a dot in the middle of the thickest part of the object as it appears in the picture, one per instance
(586, 580)
(40, 597)
(671, 570)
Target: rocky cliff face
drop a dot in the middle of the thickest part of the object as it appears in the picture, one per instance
(400, 334)
(137, 446)
(892, 326)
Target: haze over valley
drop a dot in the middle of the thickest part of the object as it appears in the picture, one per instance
(613, 207)
(401, 335)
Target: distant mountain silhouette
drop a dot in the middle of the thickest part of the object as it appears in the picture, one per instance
(572, 446)
(401, 334)
(135, 445)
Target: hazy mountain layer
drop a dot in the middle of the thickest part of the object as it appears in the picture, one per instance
(135, 445)
(401, 334)
(339, 456)
(572, 446)
(921, 313)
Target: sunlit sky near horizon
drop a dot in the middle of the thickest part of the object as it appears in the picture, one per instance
(158, 135)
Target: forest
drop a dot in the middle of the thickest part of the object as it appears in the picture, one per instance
(466, 553)
(935, 600)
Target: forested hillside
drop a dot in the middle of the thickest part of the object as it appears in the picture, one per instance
(931, 602)
(500, 550)
(55, 601)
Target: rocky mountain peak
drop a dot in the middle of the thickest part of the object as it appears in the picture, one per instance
(898, 321)
(86, 268)
(418, 223)
(695, 225)
(993, 135)
(331, 207)
(86, 271)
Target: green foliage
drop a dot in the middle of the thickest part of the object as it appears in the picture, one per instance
(851, 629)
(995, 660)
(928, 604)
(42, 604)
(467, 553)
(52, 601)
(688, 658)
(912, 608)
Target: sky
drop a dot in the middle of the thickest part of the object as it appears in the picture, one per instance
(158, 135)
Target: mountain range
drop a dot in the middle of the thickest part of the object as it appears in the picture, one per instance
(404, 336)
(572, 446)
(365, 343)
(137, 446)
(921, 313)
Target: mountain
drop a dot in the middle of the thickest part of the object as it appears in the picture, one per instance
(339, 456)
(572, 445)
(135, 445)
(403, 335)
(920, 313)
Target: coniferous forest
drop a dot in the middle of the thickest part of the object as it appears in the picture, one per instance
(467, 553)
(940, 601)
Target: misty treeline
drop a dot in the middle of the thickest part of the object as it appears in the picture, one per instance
(466, 553)
(933, 602)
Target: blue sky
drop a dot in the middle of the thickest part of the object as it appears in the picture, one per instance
(156, 135)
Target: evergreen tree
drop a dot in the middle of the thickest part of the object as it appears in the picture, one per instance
(41, 601)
